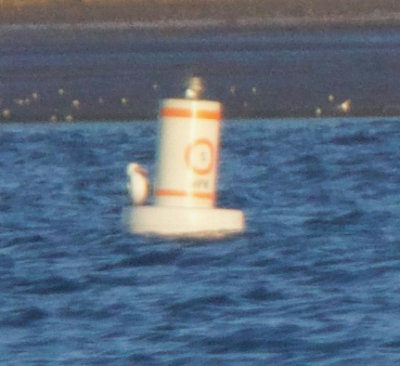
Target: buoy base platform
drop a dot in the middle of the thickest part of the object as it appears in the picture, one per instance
(183, 221)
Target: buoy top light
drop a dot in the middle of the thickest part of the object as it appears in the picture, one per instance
(195, 88)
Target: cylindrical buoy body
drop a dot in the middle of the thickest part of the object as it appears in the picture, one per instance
(187, 156)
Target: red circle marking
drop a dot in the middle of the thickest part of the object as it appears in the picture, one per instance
(188, 156)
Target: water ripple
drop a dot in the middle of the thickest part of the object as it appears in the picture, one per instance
(313, 280)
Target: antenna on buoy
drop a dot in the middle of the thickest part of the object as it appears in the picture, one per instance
(185, 184)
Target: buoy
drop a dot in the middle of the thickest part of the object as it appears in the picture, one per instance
(318, 112)
(6, 113)
(76, 103)
(185, 185)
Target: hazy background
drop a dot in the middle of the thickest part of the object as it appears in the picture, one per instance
(261, 12)
(96, 59)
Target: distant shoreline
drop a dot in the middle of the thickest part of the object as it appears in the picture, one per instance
(176, 28)
(176, 15)
(239, 24)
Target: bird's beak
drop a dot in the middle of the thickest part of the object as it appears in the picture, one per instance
(141, 170)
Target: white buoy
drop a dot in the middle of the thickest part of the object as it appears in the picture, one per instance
(76, 103)
(185, 187)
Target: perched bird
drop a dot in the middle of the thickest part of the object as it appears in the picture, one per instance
(138, 183)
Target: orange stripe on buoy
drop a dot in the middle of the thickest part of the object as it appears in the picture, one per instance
(190, 113)
(176, 193)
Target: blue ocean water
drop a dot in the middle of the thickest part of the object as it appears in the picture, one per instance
(314, 280)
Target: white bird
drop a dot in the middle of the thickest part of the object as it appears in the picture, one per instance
(138, 183)
(345, 106)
